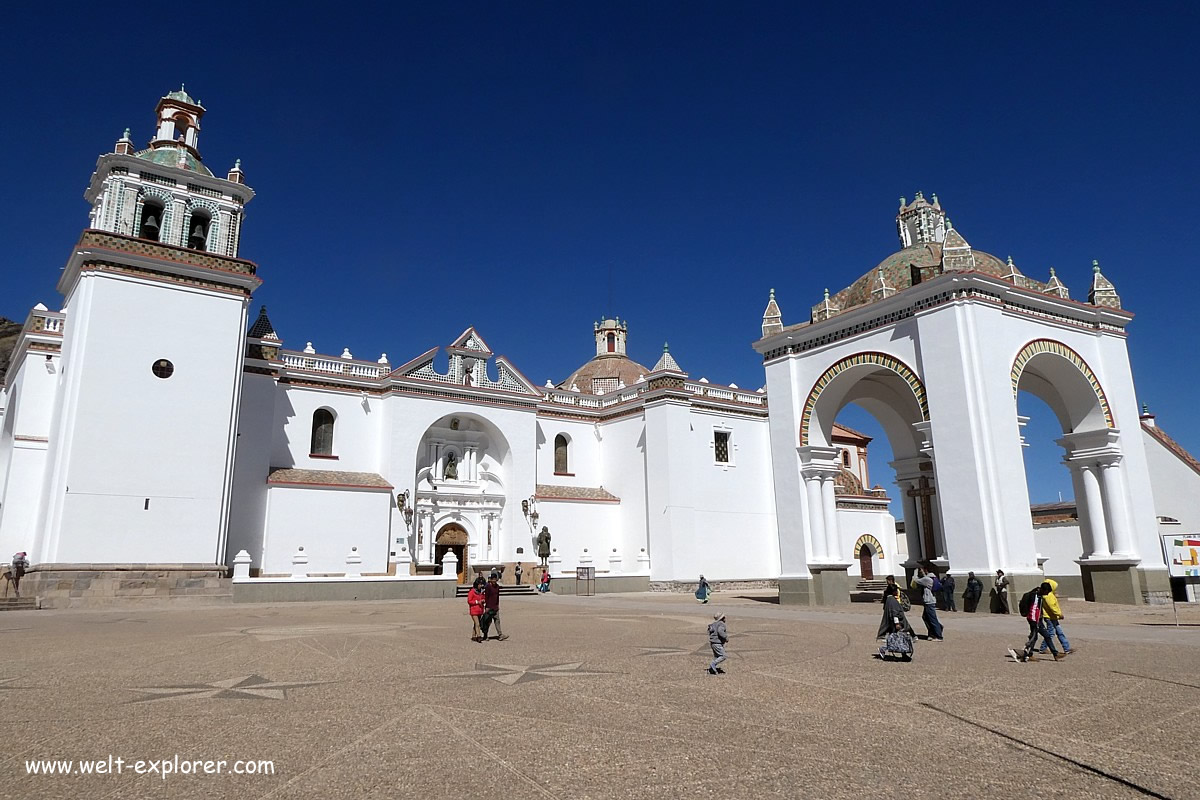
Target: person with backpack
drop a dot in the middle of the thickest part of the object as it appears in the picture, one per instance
(1030, 607)
(927, 585)
(475, 603)
(1052, 616)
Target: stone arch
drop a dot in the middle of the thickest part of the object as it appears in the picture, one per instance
(865, 362)
(1074, 394)
(867, 540)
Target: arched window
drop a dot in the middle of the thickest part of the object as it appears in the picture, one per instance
(612, 343)
(181, 127)
(198, 237)
(152, 220)
(322, 433)
(560, 455)
(845, 458)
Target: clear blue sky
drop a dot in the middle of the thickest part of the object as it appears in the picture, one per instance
(526, 167)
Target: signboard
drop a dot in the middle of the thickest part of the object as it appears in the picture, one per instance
(585, 581)
(1182, 552)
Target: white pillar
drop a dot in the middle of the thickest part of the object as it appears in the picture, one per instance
(1081, 508)
(912, 527)
(353, 563)
(300, 564)
(833, 545)
(1095, 511)
(816, 517)
(1117, 516)
(241, 565)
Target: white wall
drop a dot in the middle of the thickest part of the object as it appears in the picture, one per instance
(140, 467)
(326, 522)
(1060, 545)
(257, 427)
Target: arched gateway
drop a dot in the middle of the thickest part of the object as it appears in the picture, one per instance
(935, 343)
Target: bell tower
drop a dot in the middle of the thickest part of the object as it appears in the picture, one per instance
(141, 446)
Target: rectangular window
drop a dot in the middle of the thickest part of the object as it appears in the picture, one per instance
(721, 446)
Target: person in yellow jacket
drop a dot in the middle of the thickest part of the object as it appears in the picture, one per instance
(1052, 615)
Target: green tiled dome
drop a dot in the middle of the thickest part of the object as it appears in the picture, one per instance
(168, 156)
(182, 96)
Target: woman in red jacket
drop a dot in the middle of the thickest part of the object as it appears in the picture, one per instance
(475, 601)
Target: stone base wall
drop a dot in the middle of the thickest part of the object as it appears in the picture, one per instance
(605, 584)
(318, 591)
(689, 587)
(109, 585)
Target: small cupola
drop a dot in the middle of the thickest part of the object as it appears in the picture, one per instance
(610, 337)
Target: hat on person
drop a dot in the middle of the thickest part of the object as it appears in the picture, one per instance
(718, 616)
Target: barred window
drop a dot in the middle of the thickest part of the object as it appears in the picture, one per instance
(721, 446)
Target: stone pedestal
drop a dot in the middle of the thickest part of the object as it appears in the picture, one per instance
(828, 586)
(1111, 580)
(241, 564)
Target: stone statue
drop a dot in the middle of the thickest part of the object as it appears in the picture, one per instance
(543, 544)
(451, 471)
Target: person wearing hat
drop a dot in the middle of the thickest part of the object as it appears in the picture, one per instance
(717, 637)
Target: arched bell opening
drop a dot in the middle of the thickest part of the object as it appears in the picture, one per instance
(150, 224)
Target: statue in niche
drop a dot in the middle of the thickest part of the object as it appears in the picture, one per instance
(543, 544)
(450, 473)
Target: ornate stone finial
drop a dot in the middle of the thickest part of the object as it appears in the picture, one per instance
(949, 224)
(1052, 275)
(666, 347)
(308, 348)
(1010, 264)
(237, 163)
(827, 295)
(125, 135)
(1056, 287)
(902, 202)
(935, 200)
(346, 353)
(1095, 266)
(383, 359)
(772, 321)
(919, 197)
(182, 87)
(772, 297)
(1102, 291)
(1145, 410)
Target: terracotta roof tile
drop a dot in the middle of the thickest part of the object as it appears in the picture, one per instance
(549, 492)
(325, 477)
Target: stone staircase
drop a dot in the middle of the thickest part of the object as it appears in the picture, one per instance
(18, 604)
(506, 590)
(868, 591)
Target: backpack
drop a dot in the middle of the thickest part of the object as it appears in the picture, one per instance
(905, 601)
(1027, 601)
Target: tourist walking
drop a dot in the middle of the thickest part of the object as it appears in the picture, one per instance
(948, 592)
(924, 583)
(491, 613)
(475, 604)
(1000, 593)
(1052, 616)
(972, 594)
(717, 637)
(894, 629)
(544, 583)
(1031, 609)
(893, 612)
(703, 590)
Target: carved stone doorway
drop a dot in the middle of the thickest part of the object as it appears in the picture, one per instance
(451, 538)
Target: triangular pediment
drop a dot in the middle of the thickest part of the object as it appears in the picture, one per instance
(471, 340)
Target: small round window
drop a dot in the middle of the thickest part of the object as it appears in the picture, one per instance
(163, 368)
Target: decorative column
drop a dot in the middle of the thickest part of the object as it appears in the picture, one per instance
(816, 517)
(1116, 509)
(912, 524)
(833, 545)
(1097, 530)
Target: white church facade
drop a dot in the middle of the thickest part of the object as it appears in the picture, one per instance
(156, 434)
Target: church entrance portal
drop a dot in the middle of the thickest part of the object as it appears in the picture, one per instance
(451, 538)
(864, 563)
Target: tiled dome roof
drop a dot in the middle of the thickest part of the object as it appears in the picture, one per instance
(607, 366)
(897, 272)
(168, 156)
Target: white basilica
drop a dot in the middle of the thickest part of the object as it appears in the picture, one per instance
(153, 426)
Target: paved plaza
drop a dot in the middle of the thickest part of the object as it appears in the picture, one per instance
(595, 697)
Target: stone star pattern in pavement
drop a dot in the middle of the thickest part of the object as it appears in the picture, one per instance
(511, 674)
(253, 687)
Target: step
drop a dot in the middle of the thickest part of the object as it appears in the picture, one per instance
(506, 590)
(18, 604)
